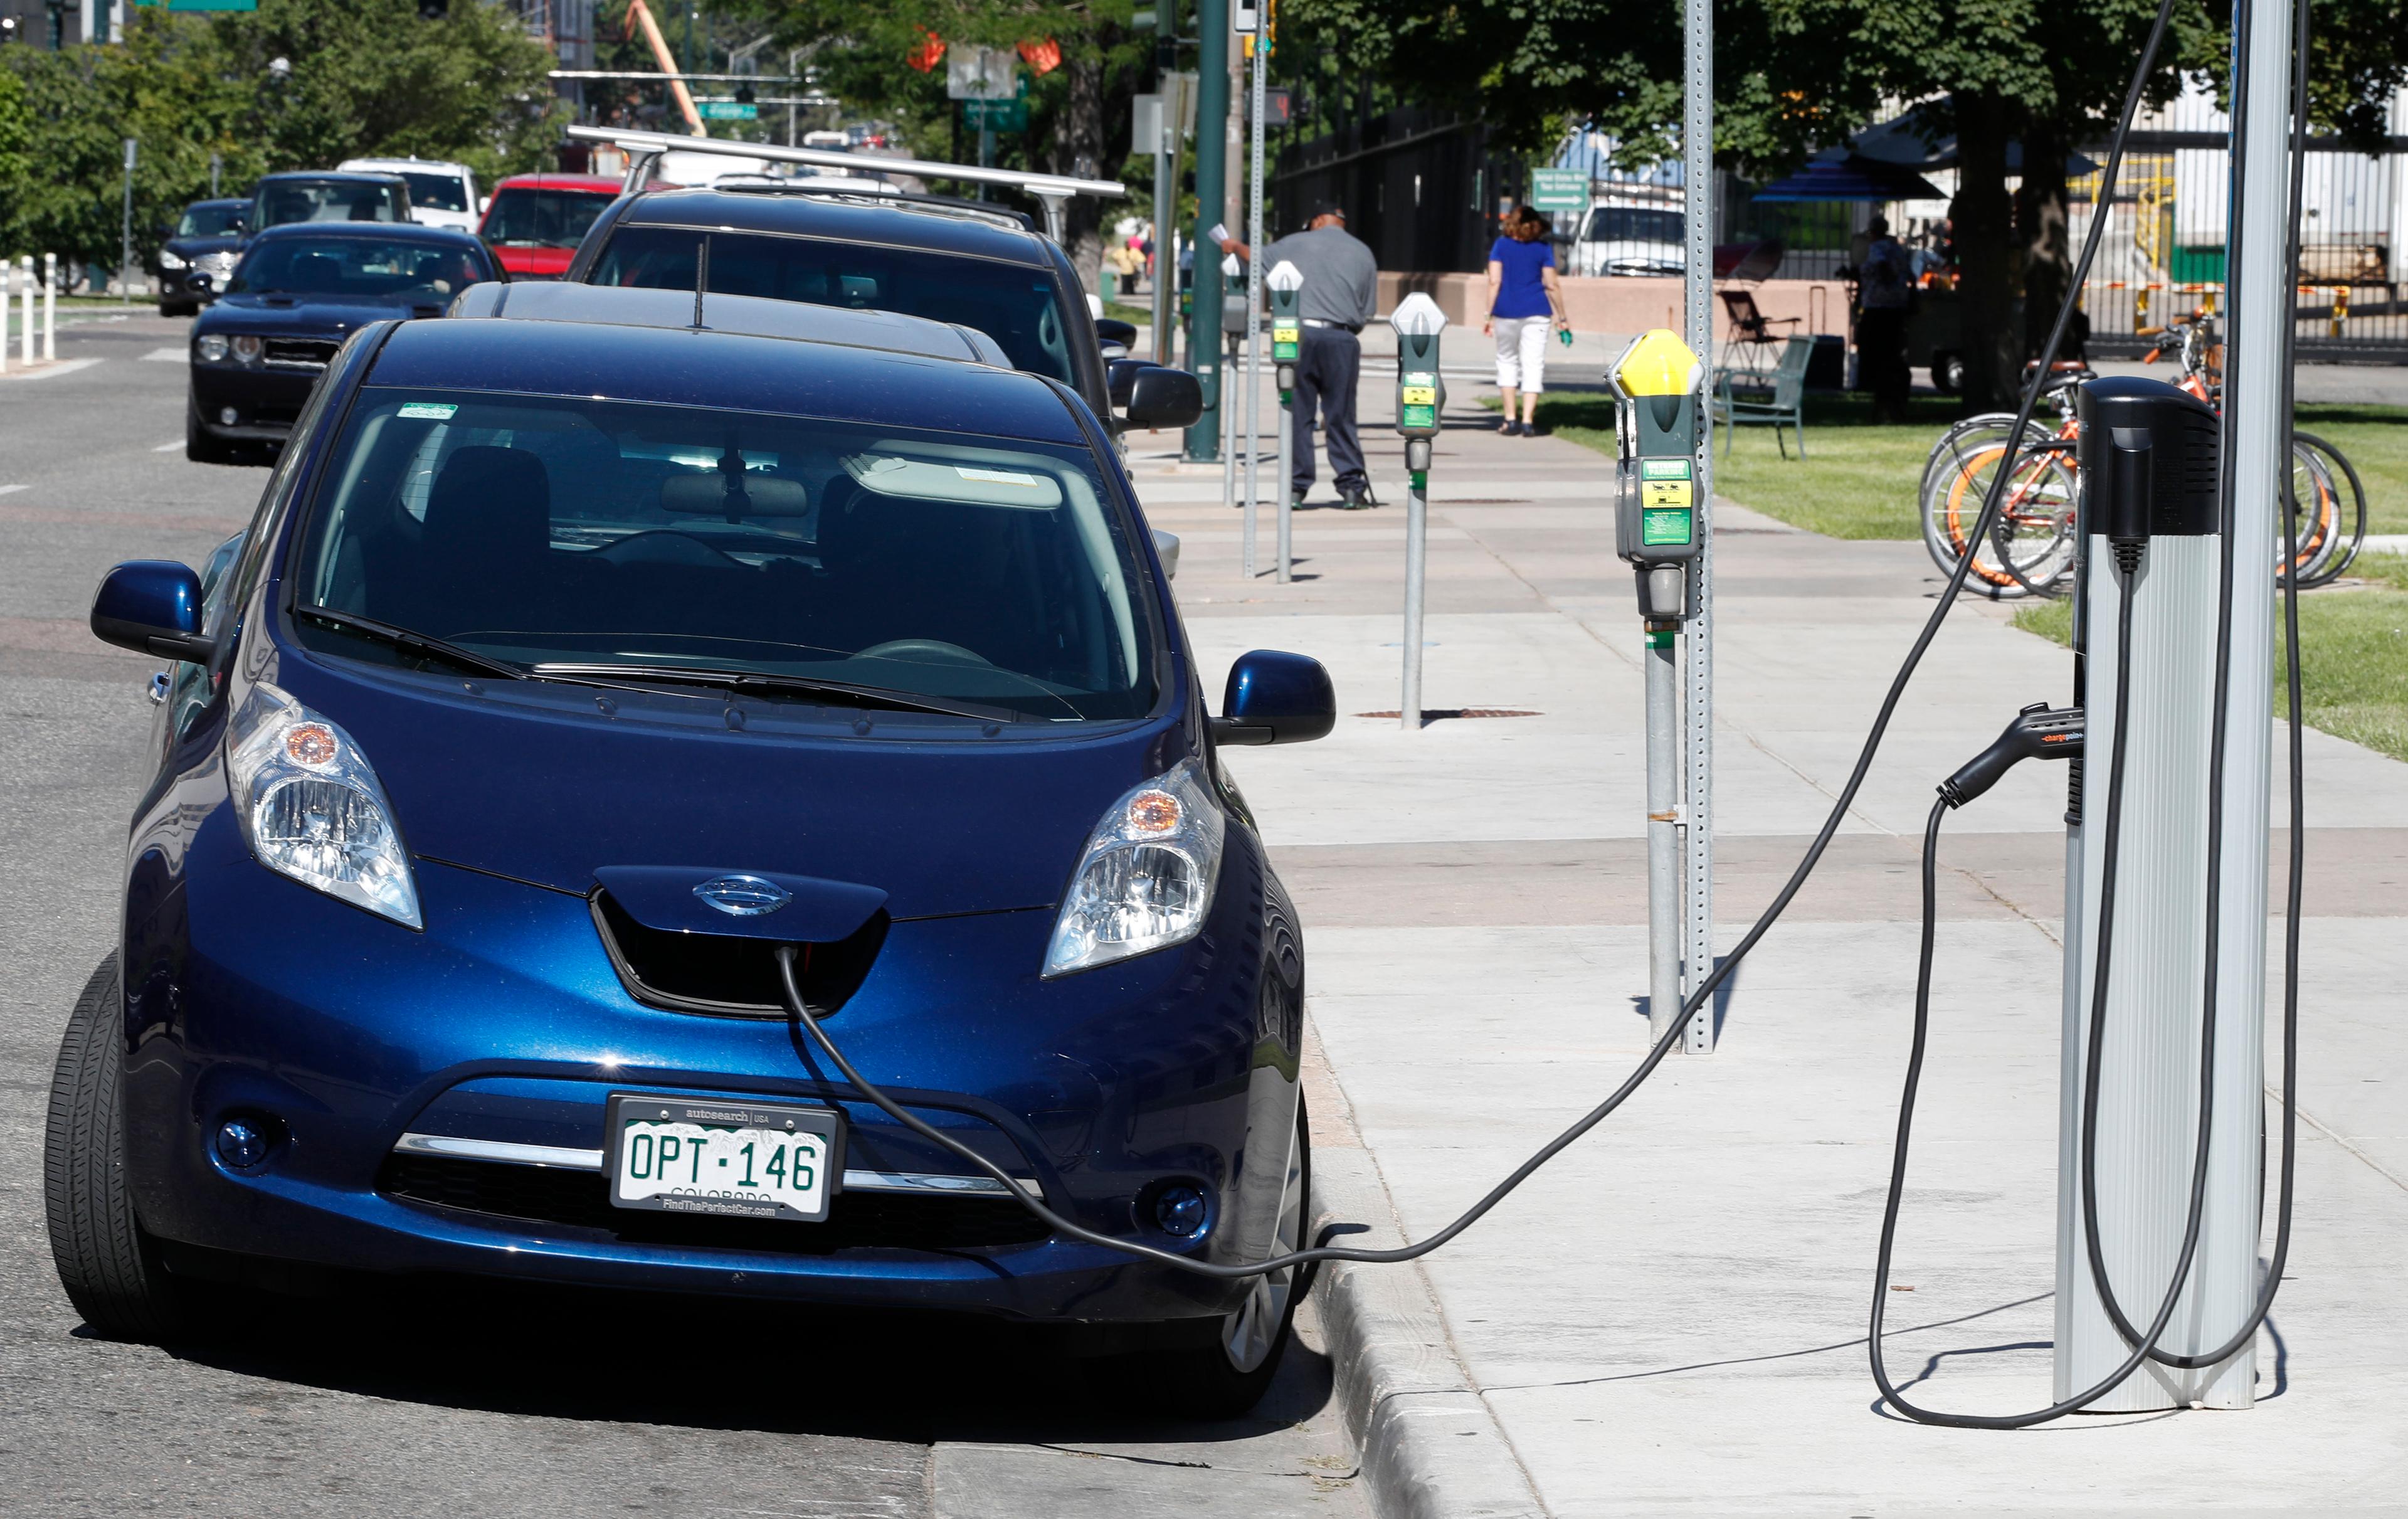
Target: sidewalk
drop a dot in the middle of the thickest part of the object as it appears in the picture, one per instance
(1671, 1316)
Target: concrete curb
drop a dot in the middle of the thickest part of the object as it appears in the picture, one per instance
(1431, 1449)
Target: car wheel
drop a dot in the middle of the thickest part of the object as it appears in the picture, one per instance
(1947, 373)
(201, 446)
(108, 1264)
(169, 308)
(1226, 1375)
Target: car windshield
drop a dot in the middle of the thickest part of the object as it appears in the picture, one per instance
(1011, 303)
(326, 200)
(368, 267)
(540, 530)
(434, 192)
(1633, 225)
(210, 222)
(524, 218)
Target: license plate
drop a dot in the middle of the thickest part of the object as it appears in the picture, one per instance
(734, 1159)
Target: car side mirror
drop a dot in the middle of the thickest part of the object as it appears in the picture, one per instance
(1164, 398)
(1112, 331)
(1120, 379)
(484, 204)
(1275, 698)
(153, 607)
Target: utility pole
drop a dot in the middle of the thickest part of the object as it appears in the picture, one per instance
(1212, 169)
(1173, 94)
(1260, 55)
(1698, 636)
(125, 260)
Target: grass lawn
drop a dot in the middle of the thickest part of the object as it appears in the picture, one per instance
(2354, 654)
(1142, 316)
(1860, 477)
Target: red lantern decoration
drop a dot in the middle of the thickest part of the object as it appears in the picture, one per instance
(1041, 54)
(928, 54)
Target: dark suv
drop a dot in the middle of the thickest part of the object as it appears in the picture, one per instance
(981, 268)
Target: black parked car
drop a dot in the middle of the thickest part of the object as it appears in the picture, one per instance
(206, 241)
(297, 293)
(949, 261)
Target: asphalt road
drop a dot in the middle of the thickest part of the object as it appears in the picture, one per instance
(417, 1398)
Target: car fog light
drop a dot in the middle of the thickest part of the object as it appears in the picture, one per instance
(228, 416)
(1180, 1211)
(241, 1143)
(248, 349)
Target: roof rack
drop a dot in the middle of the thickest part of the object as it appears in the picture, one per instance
(644, 150)
(870, 189)
(752, 316)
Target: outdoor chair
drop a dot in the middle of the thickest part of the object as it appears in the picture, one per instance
(1749, 332)
(1777, 400)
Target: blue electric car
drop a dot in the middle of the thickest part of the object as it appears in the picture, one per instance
(582, 657)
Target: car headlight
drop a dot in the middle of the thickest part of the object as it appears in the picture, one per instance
(1145, 881)
(210, 349)
(169, 261)
(311, 808)
(247, 350)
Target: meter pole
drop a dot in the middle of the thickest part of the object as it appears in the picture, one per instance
(1165, 192)
(1664, 863)
(1698, 721)
(1286, 285)
(1421, 396)
(1417, 545)
(1227, 420)
(1261, 60)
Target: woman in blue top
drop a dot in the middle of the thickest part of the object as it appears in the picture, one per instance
(1525, 303)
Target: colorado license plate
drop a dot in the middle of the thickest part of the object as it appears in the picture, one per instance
(739, 1159)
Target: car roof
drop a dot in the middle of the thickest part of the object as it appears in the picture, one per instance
(345, 176)
(381, 231)
(604, 183)
(370, 164)
(221, 200)
(893, 223)
(889, 331)
(725, 371)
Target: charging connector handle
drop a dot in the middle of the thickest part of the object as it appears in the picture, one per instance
(2038, 731)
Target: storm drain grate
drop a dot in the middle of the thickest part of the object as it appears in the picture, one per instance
(1434, 714)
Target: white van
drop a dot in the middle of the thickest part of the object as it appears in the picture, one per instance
(1629, 234)
(440, 195)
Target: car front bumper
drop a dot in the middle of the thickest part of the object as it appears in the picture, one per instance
(267, 399)
(385, 1061)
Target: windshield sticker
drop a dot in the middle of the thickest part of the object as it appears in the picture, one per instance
(428, 411)
(999, 477)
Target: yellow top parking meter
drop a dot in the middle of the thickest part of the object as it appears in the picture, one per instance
(1286, 285)
(1655, 506)
(1421, 392)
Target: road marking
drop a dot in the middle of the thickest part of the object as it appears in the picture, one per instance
(168, 447)
(64, 366)
(164, 355)
(11, 490)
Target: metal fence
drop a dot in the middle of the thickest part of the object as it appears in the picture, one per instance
(2162, 252)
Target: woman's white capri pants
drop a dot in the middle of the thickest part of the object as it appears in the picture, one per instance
(1522, 353)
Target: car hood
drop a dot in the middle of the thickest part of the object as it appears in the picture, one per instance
(539, 783)
(309, 315)
(193, 248)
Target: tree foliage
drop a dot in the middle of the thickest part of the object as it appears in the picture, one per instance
(367, 78)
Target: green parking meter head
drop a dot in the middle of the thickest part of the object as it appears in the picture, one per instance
(1421, 391)
(1655, 506)
(1286, 283)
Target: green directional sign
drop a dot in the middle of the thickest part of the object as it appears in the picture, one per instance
(728, 110)
(205, 4)
(995, 115)
(1560, 190)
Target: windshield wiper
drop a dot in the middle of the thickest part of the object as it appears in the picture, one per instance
(797, 685)
(416, 643)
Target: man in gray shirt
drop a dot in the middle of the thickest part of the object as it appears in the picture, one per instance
(1341, 288)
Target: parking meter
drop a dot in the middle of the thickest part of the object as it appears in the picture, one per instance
(1233, 327)
(1655, 506)
(1286, 285)
(1421, 391)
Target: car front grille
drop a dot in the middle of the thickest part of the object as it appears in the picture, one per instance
(726, 974)
(581, 1200)
(299, 352)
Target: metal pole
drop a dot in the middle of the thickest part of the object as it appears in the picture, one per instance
(1212, 169)
(1284, 485)
(1228, 420)
(49, 306)
(125, 261)
(1665, 902)
(25, 261)
(1698, 724)
(1254, 301)
(1166, 204)
(1416, 536)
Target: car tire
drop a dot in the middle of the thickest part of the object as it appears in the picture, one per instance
(169, 308)
(1948, 373)
(1211, 1378)
(201, 446)
(110, 1266)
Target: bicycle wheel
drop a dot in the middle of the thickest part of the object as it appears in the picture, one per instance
(2349, 536)
(2316, 501)
(2031, 545)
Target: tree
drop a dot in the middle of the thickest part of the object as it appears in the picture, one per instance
(369, 78)
(1078, 111)
(1793, 76)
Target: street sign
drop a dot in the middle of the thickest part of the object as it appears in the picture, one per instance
(995, 115)
(205, 4)
(981, 73)
(729, 110)
(1560, 190)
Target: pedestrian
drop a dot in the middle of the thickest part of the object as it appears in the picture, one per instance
(1885, 293)
(1342, 290)
(1526, 308)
